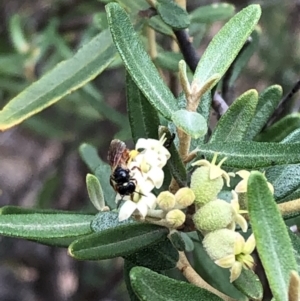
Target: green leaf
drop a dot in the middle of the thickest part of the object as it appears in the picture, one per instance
(138, 62)
(249, 284)
(95, 191)
(168, 60)
(175, 164)
(213, 274)
(101, 170)
(66, 77)
(143, 118)
(279, 130)
(285, 179)
(234, 123)
(191, 123)
(293, 137)
(245, 154)
(107, 220)
(45, 225)
(244, 56)
(127, 268)
(59, 242)
(158, 257)
(226, 45)
(177, 241)
(114, 242)
(22, 210)
(295, 239)
(159, 25)
(211, 13)
(172, 14)
(267, 103)
(272, 240)
(150, 286)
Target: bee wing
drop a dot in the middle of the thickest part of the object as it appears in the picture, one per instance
(115, 152)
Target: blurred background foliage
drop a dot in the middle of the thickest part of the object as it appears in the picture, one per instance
(39, 160)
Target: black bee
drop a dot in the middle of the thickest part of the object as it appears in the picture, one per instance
(120, 179)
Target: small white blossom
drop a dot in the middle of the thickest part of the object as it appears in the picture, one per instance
(142, 206)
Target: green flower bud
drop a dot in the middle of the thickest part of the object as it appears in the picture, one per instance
(205, 189)
(214, 215)
(184, 197)
(166, 200)
(220, 243)
(175, 218)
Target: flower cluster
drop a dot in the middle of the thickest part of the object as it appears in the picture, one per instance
(146, 163)
(217, 219)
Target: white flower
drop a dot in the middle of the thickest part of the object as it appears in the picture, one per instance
(142, 206)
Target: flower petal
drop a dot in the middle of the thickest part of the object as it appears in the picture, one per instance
(142, 208)
(156, 175)
(226, 262)
(235, 271)
(249, 245)
(126, 210)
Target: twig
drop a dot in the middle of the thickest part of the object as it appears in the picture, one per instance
(289, 207)
(188, 51)
(190, 274)
(219, 105)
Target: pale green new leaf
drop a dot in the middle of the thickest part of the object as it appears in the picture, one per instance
(66, 77)
(191, 123)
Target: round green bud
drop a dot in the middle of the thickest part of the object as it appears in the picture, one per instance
(205, 189)
(184, 197)
(214, 215)
(165, 200)
(175, 218)
(220, 243)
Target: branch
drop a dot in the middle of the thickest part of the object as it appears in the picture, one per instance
(190, 274)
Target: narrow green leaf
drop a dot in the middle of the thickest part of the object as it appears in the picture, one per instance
(225, 46)
(279, 130)
(249, 284)
(175, 164)
(127, 268)
(245, 55)
(177, 241)
(22, 210)
(159, 25)
(245, 154)
(211, 13)
(59, 242)
(138, 62)
(267, 102)
(114, 242)
(143, 118)
(234, 123)
(168, 60)
(191, 123)
(45, 225)
(66, 77)
(95, 191)
(101, 170)
(107, 220)
(172, 14)
(293, 137)
(285, 179)
(272, 240)
(150, 286)
(158, 257)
